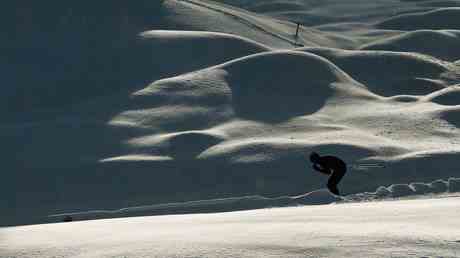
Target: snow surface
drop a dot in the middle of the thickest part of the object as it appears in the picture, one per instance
(119, 109)
(407, 228)
(180, 101)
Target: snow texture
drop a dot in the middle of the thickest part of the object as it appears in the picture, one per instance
(171, 105)
(409, 228)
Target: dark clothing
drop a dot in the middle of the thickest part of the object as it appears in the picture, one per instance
(334, 167)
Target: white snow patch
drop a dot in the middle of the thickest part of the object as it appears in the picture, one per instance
(376, 229)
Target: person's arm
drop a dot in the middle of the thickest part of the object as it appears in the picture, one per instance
(319, 168)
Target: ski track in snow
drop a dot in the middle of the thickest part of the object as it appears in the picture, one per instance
(240, 16)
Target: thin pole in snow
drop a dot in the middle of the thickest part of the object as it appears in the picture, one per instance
(297, 30)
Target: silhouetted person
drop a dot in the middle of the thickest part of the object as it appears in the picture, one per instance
(332, 166)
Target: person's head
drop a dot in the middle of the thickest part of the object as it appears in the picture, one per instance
(314, 157)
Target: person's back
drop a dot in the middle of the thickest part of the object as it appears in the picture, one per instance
(332, 162)
(330, 165)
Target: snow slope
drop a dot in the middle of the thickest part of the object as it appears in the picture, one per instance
(200, 100)
(406, 228)
(439, 43)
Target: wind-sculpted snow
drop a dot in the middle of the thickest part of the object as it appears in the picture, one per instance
(454, 185)
(180, 146)
(200, 100)
(306, 85)
(442, 44)
(416, 189)
(388, 73)
(398, 190)
(195, 50)
(419, 188)
(313, 13)
(449, 96)
(439, 19)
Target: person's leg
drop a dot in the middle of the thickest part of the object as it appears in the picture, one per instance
(334, 180)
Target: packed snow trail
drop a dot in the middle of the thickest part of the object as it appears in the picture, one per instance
(239, 14)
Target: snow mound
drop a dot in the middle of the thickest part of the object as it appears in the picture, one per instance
(184, 145)
(449, 96)
(404, 190)
(178, 52)
(398, 190)
(248, 151)
(439, 19)
(420, 188)
(382, 192)
(442, 44)
(439, 186)
(306, 83)
(454, 184)
(207, 87)
(181, 145)
(387, 73)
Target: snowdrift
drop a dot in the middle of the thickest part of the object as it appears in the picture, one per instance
(439, 43)
(439, 19)
(306, 85)
(388, 73)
